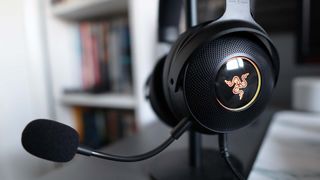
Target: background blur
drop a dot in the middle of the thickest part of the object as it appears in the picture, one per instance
(85, 63)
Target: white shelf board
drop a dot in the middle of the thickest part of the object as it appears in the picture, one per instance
(117, 101)
(85, 9)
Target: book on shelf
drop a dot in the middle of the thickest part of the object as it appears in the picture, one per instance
(105, 56)
(100, 127)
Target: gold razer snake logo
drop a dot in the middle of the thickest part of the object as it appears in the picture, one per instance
(238, 84)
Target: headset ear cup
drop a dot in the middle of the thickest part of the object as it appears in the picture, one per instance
(156, 95)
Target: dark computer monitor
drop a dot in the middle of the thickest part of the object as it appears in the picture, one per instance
(309, 32)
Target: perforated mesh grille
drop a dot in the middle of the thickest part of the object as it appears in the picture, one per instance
(200, 78)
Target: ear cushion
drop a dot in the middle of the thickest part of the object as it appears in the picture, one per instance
(156, 95)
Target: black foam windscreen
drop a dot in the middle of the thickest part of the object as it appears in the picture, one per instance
(50, 140)
(169, 16)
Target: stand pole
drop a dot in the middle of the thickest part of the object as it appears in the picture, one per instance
(191, 10)
(174, 165)
(195, 141)
(195, 149)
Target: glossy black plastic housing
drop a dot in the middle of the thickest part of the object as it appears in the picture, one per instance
(201, 73)
(177, 61)
(187, 43)
(191, 67)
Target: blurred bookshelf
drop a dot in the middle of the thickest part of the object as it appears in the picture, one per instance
(98, 127)
(100, 58)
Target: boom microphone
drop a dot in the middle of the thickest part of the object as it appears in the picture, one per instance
(50, 140)
(57, 142)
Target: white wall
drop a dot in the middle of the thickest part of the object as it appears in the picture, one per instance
(143, 24)
(22, 86)
(65, 59)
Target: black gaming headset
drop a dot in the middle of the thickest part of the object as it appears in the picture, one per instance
(217, 78)
(219, 73)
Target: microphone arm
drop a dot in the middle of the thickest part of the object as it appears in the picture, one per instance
(176, 133)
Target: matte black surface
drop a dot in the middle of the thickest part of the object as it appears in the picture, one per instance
(50, 140)
(244, 144)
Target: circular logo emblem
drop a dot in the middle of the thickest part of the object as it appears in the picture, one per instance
(238, 84)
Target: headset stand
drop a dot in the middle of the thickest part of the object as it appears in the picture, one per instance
(194, 163)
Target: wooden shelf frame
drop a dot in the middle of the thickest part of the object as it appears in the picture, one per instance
(87, 9)
(117, 101)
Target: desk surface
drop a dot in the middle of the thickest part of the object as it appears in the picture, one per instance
(291, 148)
(244, 144)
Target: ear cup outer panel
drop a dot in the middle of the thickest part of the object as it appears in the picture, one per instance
(201, 77)
(179, 55)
